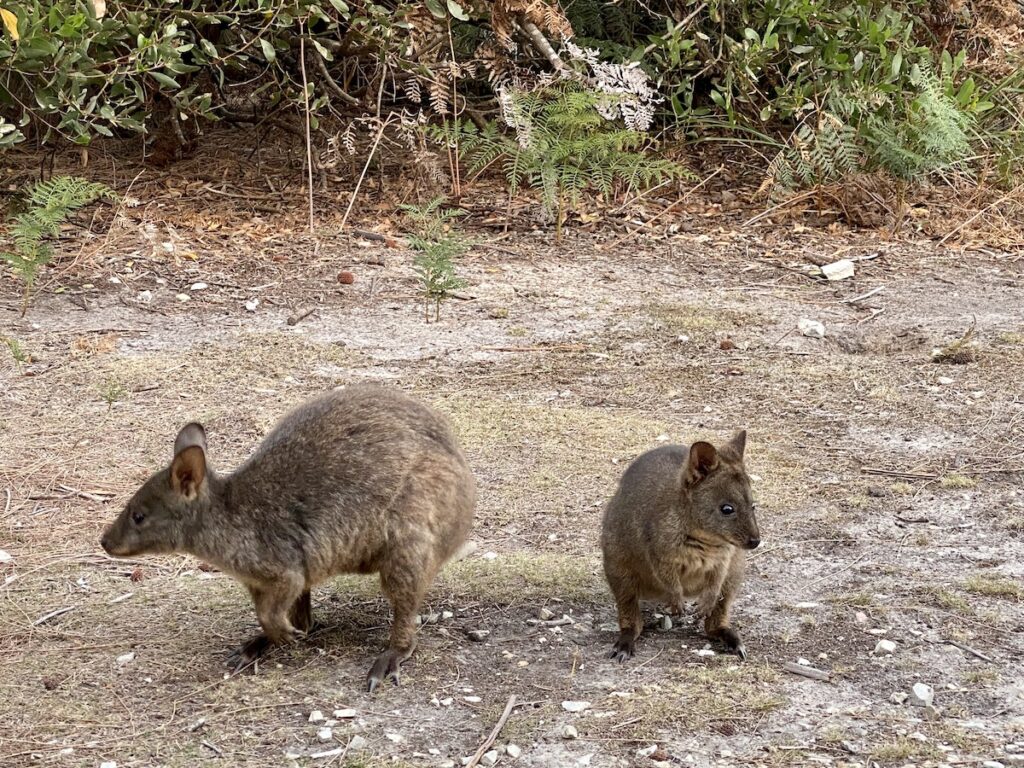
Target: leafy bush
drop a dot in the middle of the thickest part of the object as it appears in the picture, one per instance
(71, 69)
(50, 202)
(582, 132)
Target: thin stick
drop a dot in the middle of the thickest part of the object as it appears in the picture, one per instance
(494, 733)
(796, 199)
(355, 192)
(7, 506)
(309, 142)
(863, 296)
(965, 648)
(52, 615)
(897, 473)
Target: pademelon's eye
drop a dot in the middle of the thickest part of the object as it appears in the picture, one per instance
(728, 509)
(138, 516)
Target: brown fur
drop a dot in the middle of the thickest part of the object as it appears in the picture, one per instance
(665, 536)
(358, 480)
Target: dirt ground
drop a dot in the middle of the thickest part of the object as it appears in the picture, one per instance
(889, 490)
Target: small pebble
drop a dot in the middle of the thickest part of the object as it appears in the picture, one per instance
(108, 764)
(325, 734)
(992, 764)
(126, 658)
(945, 380)
(569, 732)
(358, 742)
(665, 623)
(513, 751)
(447, 615)
(316, 716)
(447, 702)
(478, 635)
(860, 617)
(489, 758)
(394, 738)
(647, 751)
(344, 714)
(885, 647)
(545, 615)
(471, 699)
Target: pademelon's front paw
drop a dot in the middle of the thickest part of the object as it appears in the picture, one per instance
(384, 668)
(247, 654)
(730, 638)
(623, 649)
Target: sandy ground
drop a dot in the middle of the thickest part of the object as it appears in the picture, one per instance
(889, 489)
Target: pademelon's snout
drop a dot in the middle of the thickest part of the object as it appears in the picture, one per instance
(753, 542)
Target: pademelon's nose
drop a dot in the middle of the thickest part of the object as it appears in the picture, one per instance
(752, 543)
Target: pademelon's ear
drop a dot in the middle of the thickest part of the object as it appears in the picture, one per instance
(738, 442)
(188, 470)
(701, 462)
(190, 434)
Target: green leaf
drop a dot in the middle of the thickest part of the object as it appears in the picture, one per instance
(456, 10)
(268, 51)
(322, 51)
(435, 8)
(897, 63)
(165, 80)
(340, 6)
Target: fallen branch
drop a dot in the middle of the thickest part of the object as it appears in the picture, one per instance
(810, 672)
(475, 760)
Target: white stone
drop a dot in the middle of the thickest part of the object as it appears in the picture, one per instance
(344, 714)
(992, 764)
(838, 270)
(5, 557)
(325, 734)
(704, 652)
(921, 695)
(199, 287)
(447, 615)
(811, 328)
(316, 716)
(490, 555)
(251, 305)
(434, 751)
(108, 764)
(945, 381)
(545, 614)
(569, 732)
(860, 617)
(358, 742)
(471, 699)
(885, 647)
(490, 758)
(394, 738)
(183, 297)
(647, 751)
(665, 624)
(447, 702)
(513, 751)
(575, 706)
(126, 658)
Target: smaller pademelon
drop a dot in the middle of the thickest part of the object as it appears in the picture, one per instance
(677, 528)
